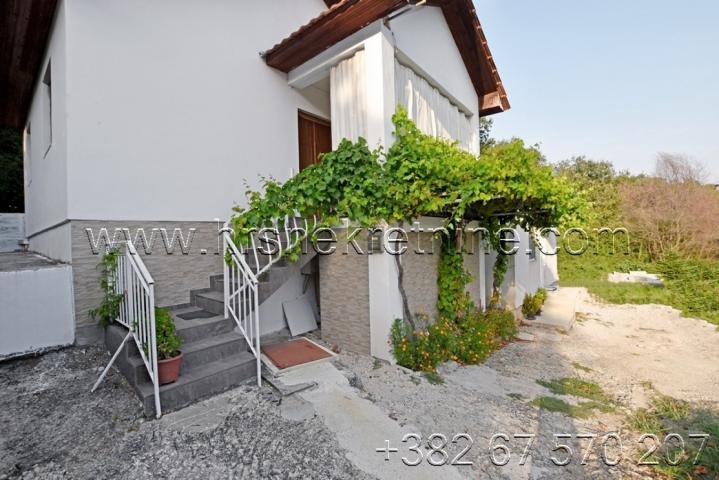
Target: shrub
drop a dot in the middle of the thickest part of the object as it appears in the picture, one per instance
(469, 341)
(168, 342)
(532, 304)
(541, 294)
(423, 349)
(109, 309)
(476, 339)
(503, 322)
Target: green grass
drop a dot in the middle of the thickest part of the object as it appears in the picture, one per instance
(581, 367)
(581, 410)
(671, 408)
(646, 421)
(576, 387)
(597, 399)
(691, 286)
(516, 396)
(666, 415)
(433, 378)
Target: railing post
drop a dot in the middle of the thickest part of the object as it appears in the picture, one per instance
(226, 275)
(257, 335)
(153, 352)
(130, 292)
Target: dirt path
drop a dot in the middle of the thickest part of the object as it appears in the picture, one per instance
(632, 352)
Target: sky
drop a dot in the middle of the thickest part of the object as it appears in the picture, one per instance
(616, 80)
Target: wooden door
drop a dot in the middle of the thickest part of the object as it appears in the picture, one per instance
(315, 136)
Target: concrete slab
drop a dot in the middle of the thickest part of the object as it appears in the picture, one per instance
(525, 337)
(296, 408)
(200, 417)
(559, 310)
(19, 261)
(636, 276)
(362, 427)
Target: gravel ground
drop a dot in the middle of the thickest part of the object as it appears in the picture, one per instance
(634, 352)
(53, 427)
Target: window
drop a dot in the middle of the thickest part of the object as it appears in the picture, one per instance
(46, 103)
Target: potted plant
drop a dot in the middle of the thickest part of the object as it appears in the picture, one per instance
(169, 357)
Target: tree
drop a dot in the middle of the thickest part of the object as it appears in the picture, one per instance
(11, 166)
(596, 181)
(673, 211)
(678, 168)
(485, 128)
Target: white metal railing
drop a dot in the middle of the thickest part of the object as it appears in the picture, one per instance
(242, 268)
(267, 245)
(241, 293)
(134, 283)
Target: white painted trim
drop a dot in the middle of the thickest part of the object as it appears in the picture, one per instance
(319, 66)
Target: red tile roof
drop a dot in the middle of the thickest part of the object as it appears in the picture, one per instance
(345, 17)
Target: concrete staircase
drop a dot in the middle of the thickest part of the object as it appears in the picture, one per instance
(215, 356)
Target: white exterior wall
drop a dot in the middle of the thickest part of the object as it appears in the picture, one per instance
(527, 270)
(170, 106)
(46, 169)
(37, 309)
(55, 243)
(161, 109)
(424, 40)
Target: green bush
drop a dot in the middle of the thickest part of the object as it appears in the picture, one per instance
(469, 341)
(476, 339)
(109, 308)
(168, 342)
(503, 322)
(541, 294)
(532, 304)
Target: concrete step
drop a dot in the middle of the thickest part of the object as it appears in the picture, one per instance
(559, 310)
(199, 328)
(201, 352)
(195, 353)
(212, 301)
(263, 260)
(217, 282)
(198, 383)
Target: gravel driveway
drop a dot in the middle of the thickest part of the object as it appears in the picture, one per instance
(51, 426)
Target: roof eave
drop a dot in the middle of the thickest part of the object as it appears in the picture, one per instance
(345, 17)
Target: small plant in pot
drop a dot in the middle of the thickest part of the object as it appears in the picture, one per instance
(169, 357)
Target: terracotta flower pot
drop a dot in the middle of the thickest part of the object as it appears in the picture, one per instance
(169, 369)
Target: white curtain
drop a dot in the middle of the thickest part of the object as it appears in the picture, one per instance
(348, 99)
(433, 113)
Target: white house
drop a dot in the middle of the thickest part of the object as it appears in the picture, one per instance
(155, 114)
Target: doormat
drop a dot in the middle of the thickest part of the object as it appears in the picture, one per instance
(294, 353)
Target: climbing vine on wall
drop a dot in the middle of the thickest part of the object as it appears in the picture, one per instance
(452, 278)
(109, 308)
(419, 175)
